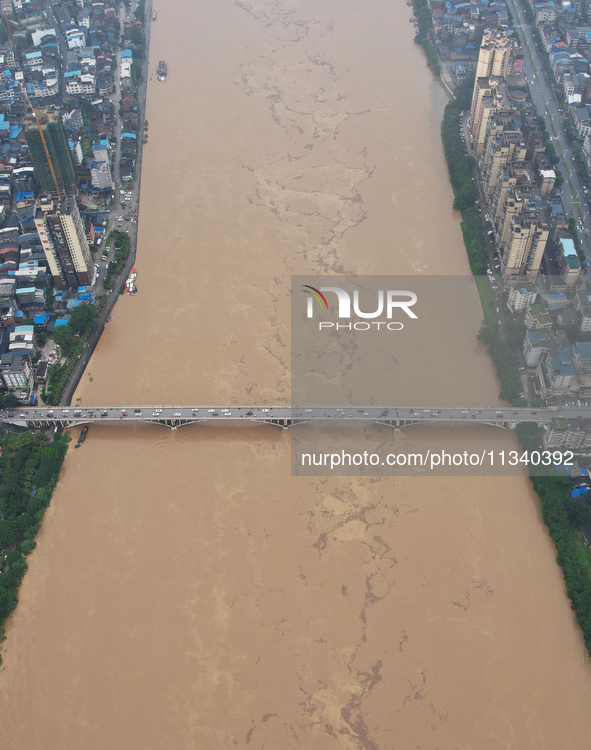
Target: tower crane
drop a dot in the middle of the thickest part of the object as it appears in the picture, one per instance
(6, 21)
(53, 174)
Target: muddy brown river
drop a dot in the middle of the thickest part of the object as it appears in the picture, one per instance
(187, 592)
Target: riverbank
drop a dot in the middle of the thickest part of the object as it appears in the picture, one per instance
(30, 465)
(562, 515)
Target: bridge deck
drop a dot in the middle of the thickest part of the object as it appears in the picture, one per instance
(285, 416)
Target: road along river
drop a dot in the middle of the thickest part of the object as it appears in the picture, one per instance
(187, 591)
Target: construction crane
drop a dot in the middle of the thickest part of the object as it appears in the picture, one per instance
(6, 21)
(53, 174)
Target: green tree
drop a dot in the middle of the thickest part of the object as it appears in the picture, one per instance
(27, 546)
(135, 35)
(10, 401)
(83, 317)
(64, 336)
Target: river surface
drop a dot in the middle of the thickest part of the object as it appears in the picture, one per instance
(188, 593)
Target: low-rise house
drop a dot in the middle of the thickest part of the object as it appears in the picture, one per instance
(536, 318)
(41, 372)
(582, 300)
(555, 301)
(572, 434)
(16, 370)
(582, 358)
(22, 338)
(567, 317)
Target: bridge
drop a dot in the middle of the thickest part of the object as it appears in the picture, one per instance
(285, 416)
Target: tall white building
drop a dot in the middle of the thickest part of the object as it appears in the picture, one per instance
(64, 242)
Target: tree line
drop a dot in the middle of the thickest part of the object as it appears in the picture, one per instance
(459, 164)
(29, 470)
(423, 36)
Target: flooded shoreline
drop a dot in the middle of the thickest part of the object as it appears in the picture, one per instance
(186, 590)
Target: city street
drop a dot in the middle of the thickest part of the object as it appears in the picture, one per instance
(545, 101)
(117, 210)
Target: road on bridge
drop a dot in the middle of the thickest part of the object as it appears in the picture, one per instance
(285, 415)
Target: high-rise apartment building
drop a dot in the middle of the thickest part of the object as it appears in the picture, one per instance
(506, 147)
(494, 63)
(495, 55)
(484, 106)
(64, 242)
(57, 146)
(526, 242)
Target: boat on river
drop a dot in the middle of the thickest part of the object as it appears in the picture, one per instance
(130, 286)
(82, 437)
(162, 70)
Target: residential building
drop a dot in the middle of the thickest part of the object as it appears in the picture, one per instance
(41, 372)
(535, 344)
(520, 298)
(568, 261)
(73, 121)
(16, 370)
(555, 372)
(63, 237)
(581, 120)
(526, 241)
(585, 324)
(572, 434)
(100, 173)
(85, 83)
(536, 318)
(582, 358)
(22, 339)
(495, 55)
(582, 300)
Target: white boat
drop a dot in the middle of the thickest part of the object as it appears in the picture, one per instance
(130, 286)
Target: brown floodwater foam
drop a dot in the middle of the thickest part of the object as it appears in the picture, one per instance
(186, 591)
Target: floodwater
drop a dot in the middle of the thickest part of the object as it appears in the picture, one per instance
(186, 591)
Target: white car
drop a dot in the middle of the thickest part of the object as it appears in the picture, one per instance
(264, 411)
(177, 414)
(211, 411)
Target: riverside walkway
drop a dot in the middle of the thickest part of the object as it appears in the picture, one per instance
(285, 416)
